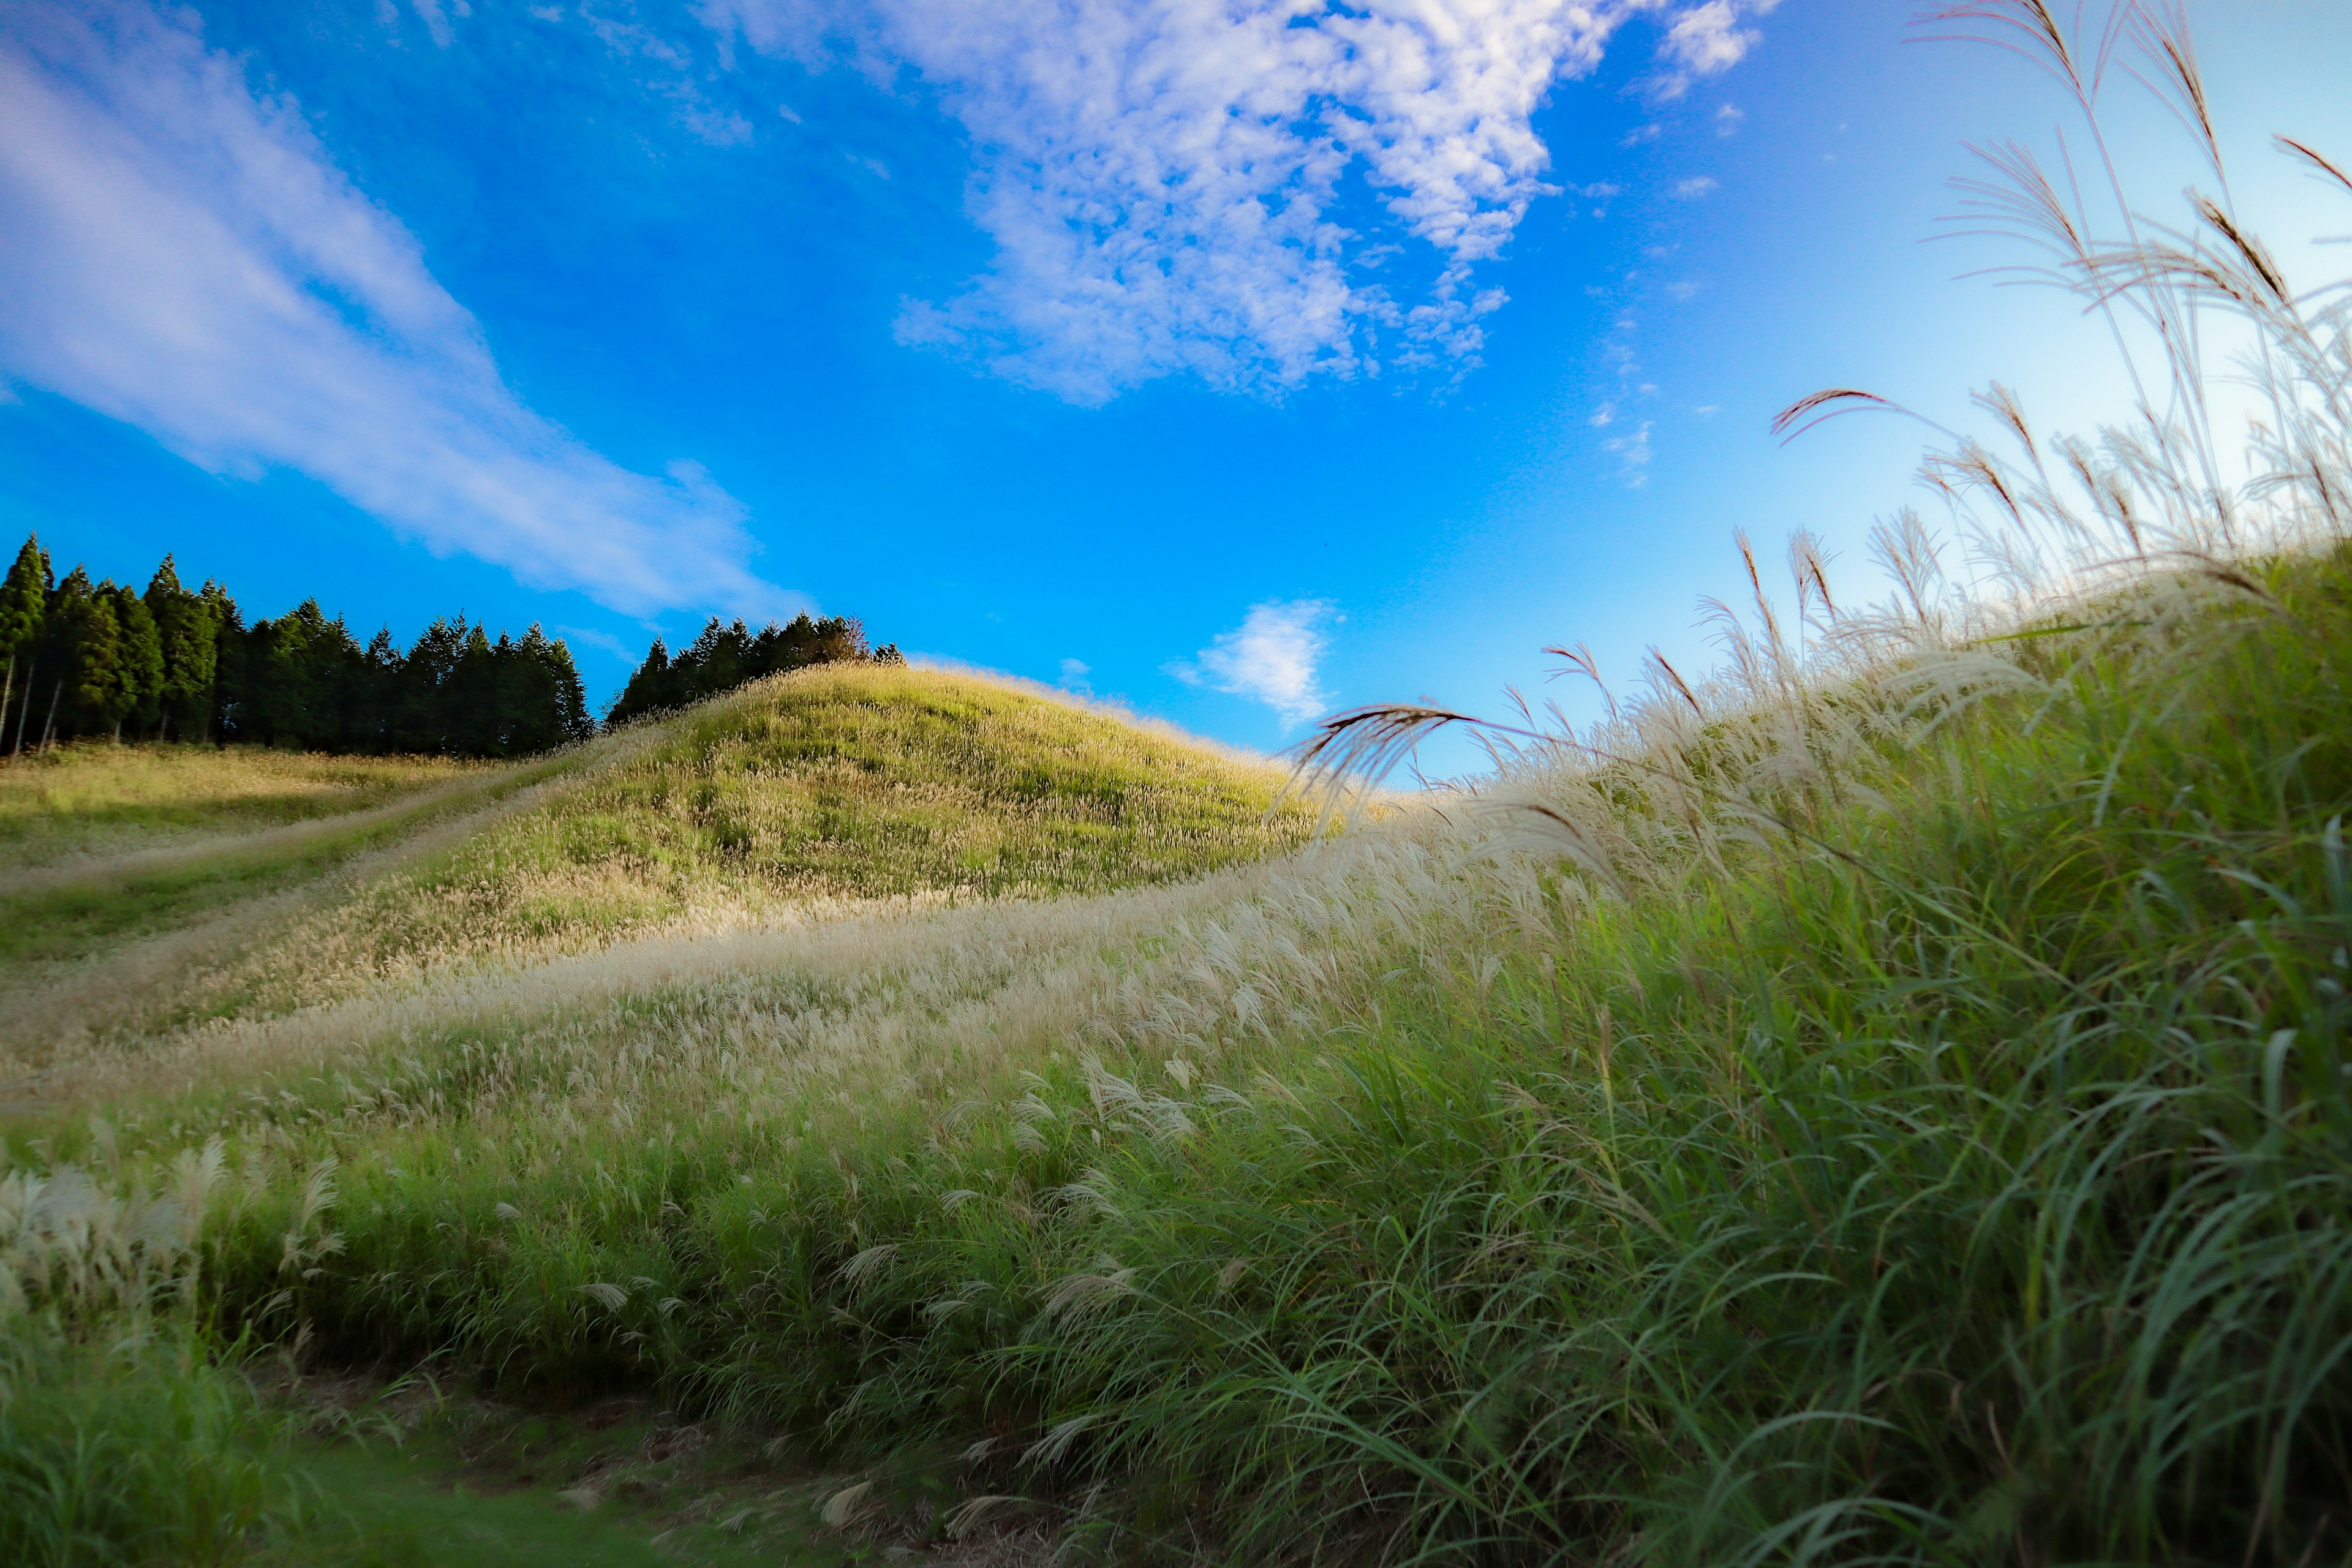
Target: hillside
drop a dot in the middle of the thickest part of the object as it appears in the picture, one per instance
(155, 896)
(1642, 1156)
(1896, 1085)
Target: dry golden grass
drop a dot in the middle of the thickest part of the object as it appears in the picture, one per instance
(92, 800)
(847, 791)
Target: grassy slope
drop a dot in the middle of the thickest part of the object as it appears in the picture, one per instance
(838, 784)
(93, 799)
(834, 785)
(814, 794)
(1941, 1158)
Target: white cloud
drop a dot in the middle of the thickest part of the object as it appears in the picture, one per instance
(1074, 674)
(667, 69)
(429, 13)
(1633, 454)
(1707, 39)
(1270, 657)
(1692, 190)
(590, 636)
(1163, 178)
(180, 254)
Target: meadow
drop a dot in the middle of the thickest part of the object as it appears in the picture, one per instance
(1885, 1101)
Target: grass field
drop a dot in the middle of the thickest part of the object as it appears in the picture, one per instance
(1853, 1122)
(853, 829)
(93, 801)
(1886, 1103)
(837, 788)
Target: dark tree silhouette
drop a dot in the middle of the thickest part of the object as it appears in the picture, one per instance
(84, 659)
(727, 655)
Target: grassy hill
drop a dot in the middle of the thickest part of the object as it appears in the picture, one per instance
(160, 887)
(1899, 1105)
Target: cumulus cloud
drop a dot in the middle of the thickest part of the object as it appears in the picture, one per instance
(1164, 178)
(1271, 657)
(1706, 40)
(180, 253)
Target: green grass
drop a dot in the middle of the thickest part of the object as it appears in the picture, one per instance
(836, 786)
(1950, 1167)
(92, 799)
(132, 1447)
(841, 782)
(571, 1490)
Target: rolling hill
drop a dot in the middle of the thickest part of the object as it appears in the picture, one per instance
(160, 889)
(1896, 1090)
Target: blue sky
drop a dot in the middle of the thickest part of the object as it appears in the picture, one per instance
(1236, 360)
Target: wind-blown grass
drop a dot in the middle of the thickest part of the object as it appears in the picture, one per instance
(1959, 1175)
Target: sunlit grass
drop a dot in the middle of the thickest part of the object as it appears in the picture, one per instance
(796, 798)
(842, 783)
(1942, 1139)
(92, 799)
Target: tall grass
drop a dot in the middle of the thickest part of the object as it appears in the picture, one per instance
(134, 1449)
(1888, 1102)
(838, 784)
(122, 1438)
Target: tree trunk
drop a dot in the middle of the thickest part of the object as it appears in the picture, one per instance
(23, 714)
(50, 728)
(8, 689)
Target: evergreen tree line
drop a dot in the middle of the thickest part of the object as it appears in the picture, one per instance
(83, 658)
(726, 656)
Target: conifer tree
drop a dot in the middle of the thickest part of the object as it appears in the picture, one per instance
(726, 656)
(571, 697)
(140, 670)
(185, 625)
(172, 664)
(469, 699)
(228, 660)
(24, 608)
(422, 722)
(643, 693)
(88, 640)
(375, 713)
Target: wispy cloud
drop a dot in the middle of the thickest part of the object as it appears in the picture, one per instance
(1271, 657)
(1692, 189)
(1706, 40)
(604, 641)
(1633, 454)
(180, 253)
(1162, 177)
